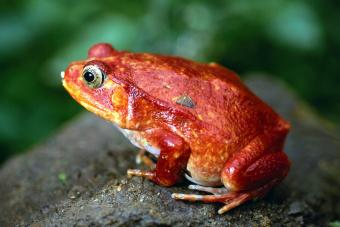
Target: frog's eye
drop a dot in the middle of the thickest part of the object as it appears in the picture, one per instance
(93, 76)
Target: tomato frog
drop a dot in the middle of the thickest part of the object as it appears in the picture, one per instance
(199, 120)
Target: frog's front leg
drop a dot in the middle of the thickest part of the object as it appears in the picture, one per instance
(173, 158)
(142, 157)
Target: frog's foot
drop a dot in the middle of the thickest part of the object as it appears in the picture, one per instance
(221, 195)
(231, 199)
(142, 157)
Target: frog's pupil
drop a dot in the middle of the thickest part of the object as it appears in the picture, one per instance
(89, 77)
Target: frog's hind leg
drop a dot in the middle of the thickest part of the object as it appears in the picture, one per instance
(249, 174)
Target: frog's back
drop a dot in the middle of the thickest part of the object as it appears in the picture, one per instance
(217, 97)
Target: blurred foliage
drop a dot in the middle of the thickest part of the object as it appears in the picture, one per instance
(297, 41)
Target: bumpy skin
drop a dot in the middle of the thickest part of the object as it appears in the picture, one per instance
(222, 134)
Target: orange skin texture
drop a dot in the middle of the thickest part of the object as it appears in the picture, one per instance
(228, 137)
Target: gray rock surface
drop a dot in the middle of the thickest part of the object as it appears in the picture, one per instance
(78, 178)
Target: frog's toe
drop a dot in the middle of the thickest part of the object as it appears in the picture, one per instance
(188, 197)
(234, 203)
(141, 173)
(203, 198)
(215, 191)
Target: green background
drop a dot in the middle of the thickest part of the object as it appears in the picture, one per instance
(296, 41)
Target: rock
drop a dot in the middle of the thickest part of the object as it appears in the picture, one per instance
(296, 208)
(78, 178)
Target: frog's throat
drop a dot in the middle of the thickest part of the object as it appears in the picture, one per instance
(94, 107)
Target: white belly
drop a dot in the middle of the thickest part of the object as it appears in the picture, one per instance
(138, 140)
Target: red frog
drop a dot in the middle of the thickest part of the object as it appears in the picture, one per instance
(199, 120)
